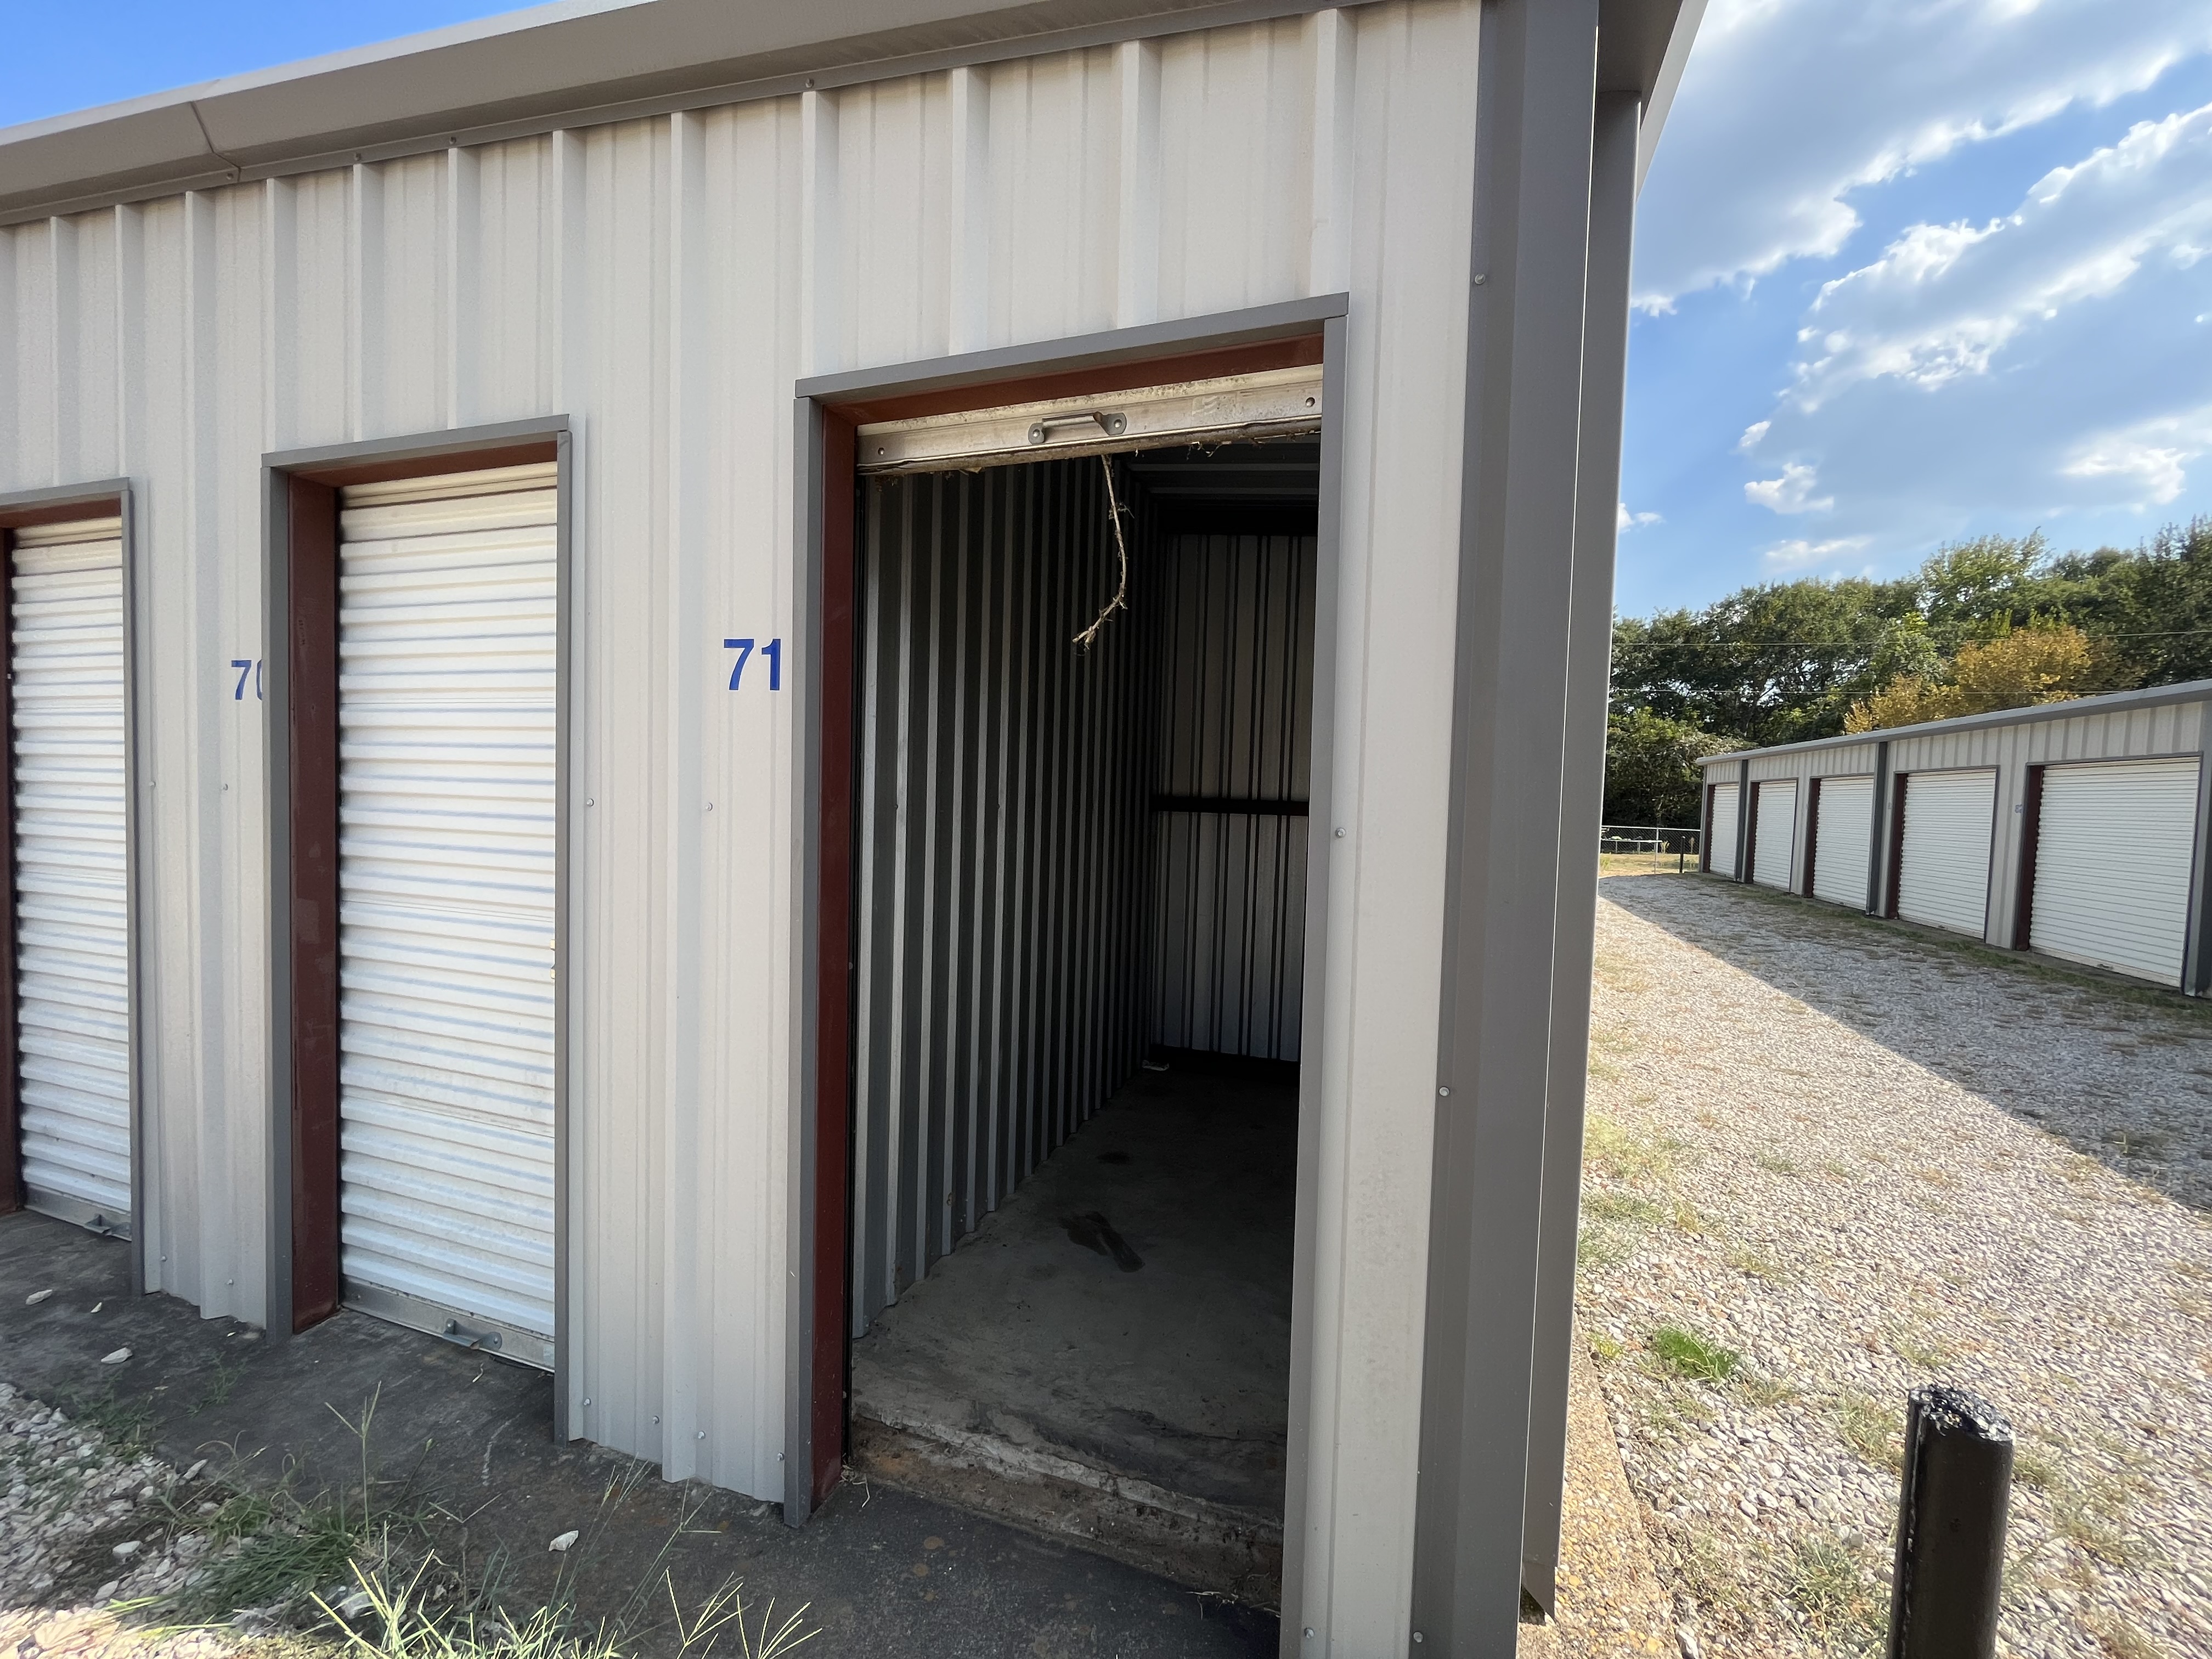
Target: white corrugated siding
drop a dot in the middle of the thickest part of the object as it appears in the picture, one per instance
(1944, 880)
(2113, 857)
(1720, 835)
(1842, 844)
(663, 283)
(1775, 836)
(447, 656)
(71, 890)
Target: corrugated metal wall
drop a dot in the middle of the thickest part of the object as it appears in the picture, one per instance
(664, 282)
(1002, 830)
(1236, 712)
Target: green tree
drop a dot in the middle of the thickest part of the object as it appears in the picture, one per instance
(1651, 769)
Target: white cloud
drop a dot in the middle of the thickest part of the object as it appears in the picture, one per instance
(1790, 493)
(1625, 520)
(1788, 107)
(1946, 300)
(1797, 555)
(2149, 460)
(1752, 435)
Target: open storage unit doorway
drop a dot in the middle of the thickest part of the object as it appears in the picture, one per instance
(1084, 635)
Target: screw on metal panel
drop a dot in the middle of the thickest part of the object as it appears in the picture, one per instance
(779, 1457)
(1340, 832)
(1417, 1636)
(587, 1401)
(656, 1417)
(1480, 277)
(1444, 1092)
(699, 1434)
(587, 800)
(1308, 1633)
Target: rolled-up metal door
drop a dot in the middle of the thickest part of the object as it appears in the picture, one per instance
(2113, 849)
(447, 667)
(1842, 844)
(72, 887)
(1775, 843)
(1720, 835)
(1944, 878)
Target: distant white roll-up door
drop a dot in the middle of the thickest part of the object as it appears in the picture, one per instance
(1944, 881)
(2113, 856)
(1720, 837)
(1842, 845)
(447, 665)
(72, 888)
(1775, 842)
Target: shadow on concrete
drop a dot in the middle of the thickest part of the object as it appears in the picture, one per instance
(2119, 1070)
(886, 1573)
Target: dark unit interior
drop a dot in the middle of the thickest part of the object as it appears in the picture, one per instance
(1079, 887)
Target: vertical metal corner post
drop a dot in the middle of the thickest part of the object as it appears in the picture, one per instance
(1535, 98)
(798, 1194)
(1581, 808)
(277, 770)
(1321, 792)
(134, 911)
(1741, 870)
(564, 977)
(1877, 835)
(2197, 952)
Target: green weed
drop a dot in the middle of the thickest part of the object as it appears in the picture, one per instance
(1689, 1355)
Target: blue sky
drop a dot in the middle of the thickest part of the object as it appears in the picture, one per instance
(1907, 271)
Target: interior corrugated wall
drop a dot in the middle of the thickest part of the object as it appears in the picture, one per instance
(1235, 711)
(1000, 811)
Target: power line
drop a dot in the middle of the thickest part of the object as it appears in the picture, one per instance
(1859, 645)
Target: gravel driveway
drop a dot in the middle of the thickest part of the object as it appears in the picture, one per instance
(1829, 1160)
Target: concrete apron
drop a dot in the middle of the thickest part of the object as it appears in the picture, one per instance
(882, 1572)
(1106, 1360)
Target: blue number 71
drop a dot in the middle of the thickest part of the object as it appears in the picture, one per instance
(773, 651)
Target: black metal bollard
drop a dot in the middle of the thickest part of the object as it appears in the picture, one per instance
(1950, 1527)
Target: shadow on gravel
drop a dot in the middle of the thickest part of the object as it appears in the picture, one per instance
(2119, 1072)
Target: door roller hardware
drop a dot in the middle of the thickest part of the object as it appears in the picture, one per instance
(1275, 403)
(1043, 431)
(458, 1333)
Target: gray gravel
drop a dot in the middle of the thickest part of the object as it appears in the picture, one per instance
(1845, 1158)
(82, 1528)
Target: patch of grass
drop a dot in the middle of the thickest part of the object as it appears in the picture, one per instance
(1630, 1158)
(127, 1426)
(1599, 1248)
(1763, 1390)
(1832, 1585)
(2122, 1640)
(1605, 1347)
(1774, 1163)
(2035, 1465)
(216, 1391)
(1921, 1349)
(1625, 1207)
(1749, 1259)
(1874, 1431)
(1689, 1355)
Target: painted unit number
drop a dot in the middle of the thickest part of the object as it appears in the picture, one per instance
(246, 667)
(771, 650)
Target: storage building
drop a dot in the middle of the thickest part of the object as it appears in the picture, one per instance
(661, 652)
(2073, 829)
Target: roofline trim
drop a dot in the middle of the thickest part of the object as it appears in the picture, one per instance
(2110, 702)
(203, 167)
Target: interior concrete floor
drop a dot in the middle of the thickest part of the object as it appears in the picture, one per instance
(1108, 1356)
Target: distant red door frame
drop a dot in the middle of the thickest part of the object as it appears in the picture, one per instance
(301, 679)
(106, 499)
(828, 411)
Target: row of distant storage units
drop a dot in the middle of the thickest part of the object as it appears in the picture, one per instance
(2075, 829)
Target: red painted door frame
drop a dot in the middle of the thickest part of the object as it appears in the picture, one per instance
(830, 1240)
(311, 647)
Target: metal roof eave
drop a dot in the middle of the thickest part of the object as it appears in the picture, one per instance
(584, 62)
(2121, 703)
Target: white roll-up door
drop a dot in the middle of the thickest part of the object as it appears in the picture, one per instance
(1944, 880)
(448, 661)
(1775, 840)
(72, 887)
(2113, 856)
(1843, 846)
(1720, 837)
